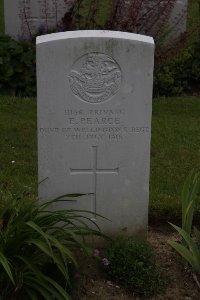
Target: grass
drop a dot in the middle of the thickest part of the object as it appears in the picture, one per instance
(1, 17)
(18, 155)
(174, 151)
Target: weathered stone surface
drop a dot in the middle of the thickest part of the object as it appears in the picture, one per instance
(94, 123)
(152, 16)
(178, 19)
(24, 17)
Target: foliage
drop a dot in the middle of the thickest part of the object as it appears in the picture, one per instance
(131, 264)
(37, 247)
(189, 249)
(179, 75)
(17, 67)
(189, 198)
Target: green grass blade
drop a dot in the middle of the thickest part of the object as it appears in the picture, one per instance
(64, 251)
(184, 252)
(42, 291)
(54, 286)
(193, 248)
(189, 213)
(189, 193)
(47, 287)
(41, 232)
(185, 197)
(187, 238)
(5, 264)
(60, 199)
(37, 228)
(60, 263)
(38, 275)
(58, 287)
(192, 199)
(42, 246)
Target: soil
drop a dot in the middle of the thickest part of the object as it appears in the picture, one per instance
(91, 283)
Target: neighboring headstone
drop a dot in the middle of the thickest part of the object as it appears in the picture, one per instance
(153, 17)
(176, 16)
(23, 18)
(178, 19)
(94, 123)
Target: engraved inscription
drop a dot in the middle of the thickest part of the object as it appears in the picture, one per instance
(94, 171)
(96, 125)
(95, 78)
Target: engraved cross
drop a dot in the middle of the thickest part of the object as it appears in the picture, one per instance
(94, 171)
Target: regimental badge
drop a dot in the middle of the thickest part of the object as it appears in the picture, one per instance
(95, 78)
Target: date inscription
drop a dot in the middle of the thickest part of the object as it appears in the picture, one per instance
(95, 125)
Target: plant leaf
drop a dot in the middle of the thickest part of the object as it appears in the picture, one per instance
(39, 287)
(189, 193)
(55, 258)
(45, 287)
(4, 262)
(41, 232)
(58, 287)
(184, 252)
(59, 199)
(187, 238)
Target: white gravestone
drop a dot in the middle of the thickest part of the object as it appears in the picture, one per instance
(178, 18)
(24, 17)
(94, 123)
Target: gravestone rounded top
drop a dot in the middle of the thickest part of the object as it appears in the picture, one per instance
(94, 34)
